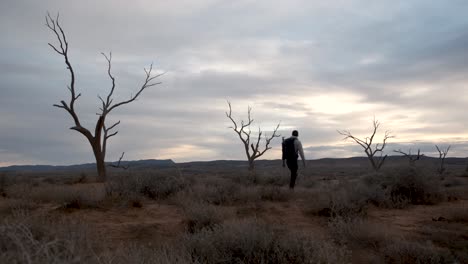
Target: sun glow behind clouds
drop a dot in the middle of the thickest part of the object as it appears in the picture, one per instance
(336, 103)
(187, 152)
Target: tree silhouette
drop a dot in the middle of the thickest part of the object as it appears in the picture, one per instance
(244, 132)
(102, 132)
(374, 153)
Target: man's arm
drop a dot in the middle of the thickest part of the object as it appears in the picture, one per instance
(300, 150)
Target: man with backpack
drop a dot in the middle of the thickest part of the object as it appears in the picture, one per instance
(292, 148)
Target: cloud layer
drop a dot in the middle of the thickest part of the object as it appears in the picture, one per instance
(314, 66)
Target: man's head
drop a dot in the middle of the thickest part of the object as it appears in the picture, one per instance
(295, 133)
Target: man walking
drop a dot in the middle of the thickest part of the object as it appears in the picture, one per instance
(291, 148)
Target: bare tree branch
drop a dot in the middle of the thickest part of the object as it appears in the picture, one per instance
(118, 163)
(442, 155)
(367, 144)
(411, 158)
(244, 133)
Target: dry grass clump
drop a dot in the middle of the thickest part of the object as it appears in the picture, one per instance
(154, 186)
(248, 241)
(224, 192)
(348, 200)
(275, 194)
(401, 251)
(411, 186)
(201, 215)
(27, 239)
(358, 232)
(136, 253)
(68, 196)
(455, 214)
(275, 178)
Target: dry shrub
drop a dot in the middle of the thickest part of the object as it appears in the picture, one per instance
(220, 192)
(348, 200)
(201, 215)
(273, 178)
(68, 196)
(358, 231)
(25, 239)
(401, 251)
(318, 202)
(136, 253)
(411, 186)
(455, 214)
(152, 185)
(249, 241)
(275, 193)
(12, 205)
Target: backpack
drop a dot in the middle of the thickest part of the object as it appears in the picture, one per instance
(289, 151)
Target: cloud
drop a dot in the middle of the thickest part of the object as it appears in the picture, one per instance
(313, 66)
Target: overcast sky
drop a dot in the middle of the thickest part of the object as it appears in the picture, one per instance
(314, 66)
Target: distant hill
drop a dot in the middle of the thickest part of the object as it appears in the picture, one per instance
(151, 163)
(232, 164)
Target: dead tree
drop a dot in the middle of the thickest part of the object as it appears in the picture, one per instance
(442, 155)
(102, 132)
(251, 146)
(374, 154)
(411, 158)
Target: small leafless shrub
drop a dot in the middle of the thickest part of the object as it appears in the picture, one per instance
(154, 186)
(402, 251)
(346, 201)
(454, 214)
(201, 215)
(137, 253)
(411, 186)
(33, 240)
(276, 194)
(274, 179)
(249, 241)
(218, 193)
(358, 231)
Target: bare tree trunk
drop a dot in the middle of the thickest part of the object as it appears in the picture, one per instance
(251, 165)
(101, 168)
(100, 161)
(374, 166)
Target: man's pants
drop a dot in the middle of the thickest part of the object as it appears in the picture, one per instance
(292, 165)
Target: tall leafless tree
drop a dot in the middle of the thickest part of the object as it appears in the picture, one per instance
(442, 155)
(411, 158)
(102, 132)
(251, 146)
(374, 153)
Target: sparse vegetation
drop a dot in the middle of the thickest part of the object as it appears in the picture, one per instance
(248, 241)
(159, 216)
